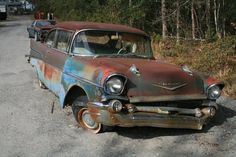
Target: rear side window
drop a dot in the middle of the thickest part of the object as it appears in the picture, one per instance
(33, 23)
(63, 40)
(50, 41)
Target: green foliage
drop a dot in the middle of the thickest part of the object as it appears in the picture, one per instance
(144, 14)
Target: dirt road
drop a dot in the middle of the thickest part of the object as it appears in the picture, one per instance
(29, 129)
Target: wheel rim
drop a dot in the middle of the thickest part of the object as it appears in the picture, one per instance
(86, 121)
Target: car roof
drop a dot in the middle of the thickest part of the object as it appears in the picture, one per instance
(77, 26)
(40, 20)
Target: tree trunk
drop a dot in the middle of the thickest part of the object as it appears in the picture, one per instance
(177, 22)
(216, 18)
(208, 18)
(130, 19)
(163, 16)
(193, 20)
(223, 22)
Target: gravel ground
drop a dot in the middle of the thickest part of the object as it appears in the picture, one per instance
(29, 129)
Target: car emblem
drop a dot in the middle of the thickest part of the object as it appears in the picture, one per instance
(134, 70)
(170, 86)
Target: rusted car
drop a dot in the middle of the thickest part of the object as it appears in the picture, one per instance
(39, 28)
(109, 76)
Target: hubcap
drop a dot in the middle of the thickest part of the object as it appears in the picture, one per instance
(87, 122)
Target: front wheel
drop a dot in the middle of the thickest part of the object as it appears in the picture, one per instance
(86, 121)
(83, 117)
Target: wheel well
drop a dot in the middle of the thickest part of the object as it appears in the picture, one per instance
(72, 94)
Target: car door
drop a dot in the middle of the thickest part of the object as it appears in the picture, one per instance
(56, 57)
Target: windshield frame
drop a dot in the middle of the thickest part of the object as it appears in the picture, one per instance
(109, 55)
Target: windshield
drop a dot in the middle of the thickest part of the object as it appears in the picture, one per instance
(100, 43)
(42, 23)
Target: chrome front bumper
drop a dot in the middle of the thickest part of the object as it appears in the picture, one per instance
(166, 117)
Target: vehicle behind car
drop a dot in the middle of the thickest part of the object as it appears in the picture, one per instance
(39, 28)
(3, 11)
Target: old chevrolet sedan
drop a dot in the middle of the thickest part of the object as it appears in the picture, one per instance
(108, 74)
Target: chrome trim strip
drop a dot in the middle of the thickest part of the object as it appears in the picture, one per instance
(166, 98)
(83, 79)
(169, 88)
(109, 97)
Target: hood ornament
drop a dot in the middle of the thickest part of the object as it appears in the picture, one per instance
(187, 70)
(133, 69)
(170, 86)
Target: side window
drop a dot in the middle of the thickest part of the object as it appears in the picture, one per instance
(33, 23)
(63, 40)
(50, 41)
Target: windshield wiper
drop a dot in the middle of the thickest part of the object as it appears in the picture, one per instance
(107, 55)
(135, 55)
(121, 55)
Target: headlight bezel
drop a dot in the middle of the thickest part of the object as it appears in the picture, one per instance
(209, 91)
(120, 77)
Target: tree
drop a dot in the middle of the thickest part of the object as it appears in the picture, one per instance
(193, 20)
(130, 19)
(163, 15)
(177, 21)
(184, 18)
(216, 18)
(208, 18)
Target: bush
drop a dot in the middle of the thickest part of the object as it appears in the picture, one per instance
(216, 58)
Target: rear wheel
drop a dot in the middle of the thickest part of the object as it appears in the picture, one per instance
(82, 115)
(36, 38)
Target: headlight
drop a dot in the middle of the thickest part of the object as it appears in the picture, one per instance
(214, 92)
(114, 85)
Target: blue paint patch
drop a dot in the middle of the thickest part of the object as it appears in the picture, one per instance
(62, 95)
(99, 77)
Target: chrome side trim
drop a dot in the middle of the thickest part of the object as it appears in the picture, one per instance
(83, 79)
(166, 98)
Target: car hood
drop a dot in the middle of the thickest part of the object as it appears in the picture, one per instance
(146, 79)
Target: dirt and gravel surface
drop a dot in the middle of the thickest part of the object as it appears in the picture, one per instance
(29, 129)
